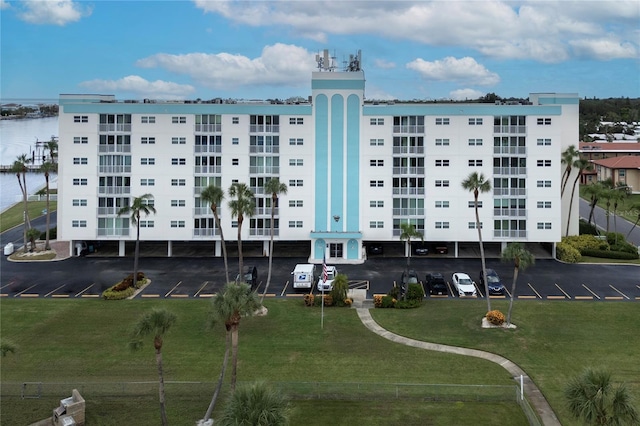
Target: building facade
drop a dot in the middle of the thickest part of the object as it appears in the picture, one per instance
(355, 170)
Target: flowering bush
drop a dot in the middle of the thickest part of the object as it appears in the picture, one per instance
(495, 317)
(328, 300)
(309, 299)
(348, 302)
(377, 300)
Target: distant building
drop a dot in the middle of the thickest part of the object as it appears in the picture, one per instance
(623, 170)
(593, 151)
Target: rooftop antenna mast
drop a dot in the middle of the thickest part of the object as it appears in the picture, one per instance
(325, 63)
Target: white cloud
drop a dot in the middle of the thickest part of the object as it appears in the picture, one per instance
(58, 12)
(383, 64)
(4, 5)
(465, 94)
(279, 64)
(138, 86)
(465, 70)
(604, 50)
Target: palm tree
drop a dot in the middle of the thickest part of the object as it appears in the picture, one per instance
(229, 306)
(477, 183)
(620, 194)
(568, 157)
(155, 323)
(407, 232)
(20, 169)
(256, 404)
(522, 259)
(636, 207)
(52, 146)
(48, 167)
(581, 164)
(595, 191)
(138, 206)
(214, 195)
(593, 399)
(243, 205)
(275, 188)
(32, 235)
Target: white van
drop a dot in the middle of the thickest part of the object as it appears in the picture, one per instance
(331, 274)
(303, 276)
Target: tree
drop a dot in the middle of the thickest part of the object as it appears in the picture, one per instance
(581, 164)
(477, 183)
(243, 204)
(275, 188)
(155, 323)
(52, 146)
(257, 405)
(138, 206)
(20, 169)
(407, 232)
(594, 399)
(522, 259)
(214, 195)
(568, 158)
(636, 207)
(621, 194)
(339, 289)
(47, 168)
(595, 191)
(32, 235)
(229, 306)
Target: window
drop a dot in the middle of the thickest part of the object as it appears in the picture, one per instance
(296, 162)
(295, 182)
(376, 142)
(376, 203)
(178, 182)
(178, 141)
(147, 224)
(235, 120)
(544, 121)
(80, 118)
(442, 121)
(295, 224)
(475, 163)
(178, 120)
(442, 142)
(78, 139)
(80, 181)
(475, 122)
(296, 141)
(149, 202)
(376, 121)
(472, 204)
(442, 163)
(544, 184)
(442, 183)
(376, 224)
(80, 160)
(150, 140)
(544, 204)
(178, 203)
(296, 203)
(296, 120)
(376, 183)
(472, 225)
(79, 202)
(147, 119)
(79, 223)
(178, 161)
(475, 142)
(177, 223)
(442, 204)
(544, 142)
(544, 163)
(442, 225)
(147, 182)
(235, 161)
(147, 161)
(376, 163)
(544, 225)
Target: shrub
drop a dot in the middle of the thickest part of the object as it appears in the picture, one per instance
(394, 292)
(377, 300)
(611, 254)
(415, 292)
(348, 302)
(388, 302)
(567, 253)
(586, 228)
(328, 300)
(615, 238)
(495, 317)
(53, 234)
(624, 247)
(309, 299)
(340, 289)
(408, 304)
(582, 242)
(112, 294)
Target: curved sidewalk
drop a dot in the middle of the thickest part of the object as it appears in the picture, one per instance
(535, 397)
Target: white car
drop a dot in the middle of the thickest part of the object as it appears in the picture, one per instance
(331, 274)
(463, 284)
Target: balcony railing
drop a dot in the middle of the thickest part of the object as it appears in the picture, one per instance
(264, 128)
(408, 191)
(271, 149)
(510, 191)
(408, 170)
(202, 211)
(259, 211)
(510, 171)
(510, 129)
(113, 148)
(408, 212)
(257, 190)
(415, 128)
(509, 212)
(262, 231)
(205, 232)
(510, 150)
(408, 149)
(207, 148)
(207, 169)
(114, 190)
(120, 127)
(208, 128)
(271, 170)
(506, 233)
(113, 232)
(108, 211)
(114, 169)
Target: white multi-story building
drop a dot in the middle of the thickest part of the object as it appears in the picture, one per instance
(355, 170)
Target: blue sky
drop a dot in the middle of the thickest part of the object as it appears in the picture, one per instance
(266, 49)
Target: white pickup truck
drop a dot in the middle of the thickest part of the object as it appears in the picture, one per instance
(331, 274)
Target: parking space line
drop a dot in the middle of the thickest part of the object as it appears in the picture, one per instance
(181, 296)
(24, 291)
(555, 297)
(534, 290)
(478, 290)
(4, 295)
(149, 296)
(527, 297)
(173, 289)
(284, 290)
(295, 295)
(206, 295)
(53, 291)
(590, 291)
(6, 285)
(563, 292)
(83, 291)
(201, 288)
(508, 292)
(29, 295)
(613, 298)
(90, 295)
(619, 292)
(497, 296)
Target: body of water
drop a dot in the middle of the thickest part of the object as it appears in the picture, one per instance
(19, 137)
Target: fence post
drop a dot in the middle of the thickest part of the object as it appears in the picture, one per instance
(521, 387)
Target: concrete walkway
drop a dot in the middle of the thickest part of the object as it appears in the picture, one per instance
(535, 397)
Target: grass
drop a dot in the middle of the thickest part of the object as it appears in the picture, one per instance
(589, 259)
(14, 215)
(85, 341)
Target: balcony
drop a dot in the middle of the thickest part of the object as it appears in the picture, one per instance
(207, 148)
(268, 170)
(519, 130)
(114, 128)
(113, 232)
(414, 129)
(208, 128)
(202, 211)
(409, 212)
(103, 149)
(205, 232)
(408, 170)
(261, 211)
(257, 190)
(510, 191)
(264, 128)
(408, 191)
(501, 212)
(408, 149)
(207, 170)
(270, 149)
(114, 169)
(510, 150)
(108, 211)
(114, 190)
(506, 233)
(510, 171)
(263, 232)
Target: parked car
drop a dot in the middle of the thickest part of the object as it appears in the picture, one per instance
(463, 285)
(249, 276)
(436, 284)
(493, 283)
(440, 248)
(331, 275)
(408, 277)
(420, 249)
(374, 249)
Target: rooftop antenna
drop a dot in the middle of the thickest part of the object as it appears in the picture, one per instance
(325, 63)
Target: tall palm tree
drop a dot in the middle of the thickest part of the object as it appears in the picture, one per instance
(214, 195)
(594, 399)
(155, 323)
(522, 259)
(229, 306)
(620, 194)
(636, 207)
(581, 164)
(137, 207)
(20, 169)
(256, 404)
(594, 191)
(568, 158)
(47, 168)
(275, 188)
(407, 232)
(52, 146)
(243, 204)
(477, 183)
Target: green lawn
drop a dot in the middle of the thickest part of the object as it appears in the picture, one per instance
(624, 207)
(14, 215)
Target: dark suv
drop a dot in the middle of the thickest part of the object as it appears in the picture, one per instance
(436, 284)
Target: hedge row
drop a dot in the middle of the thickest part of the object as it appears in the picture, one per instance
(610, 254)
